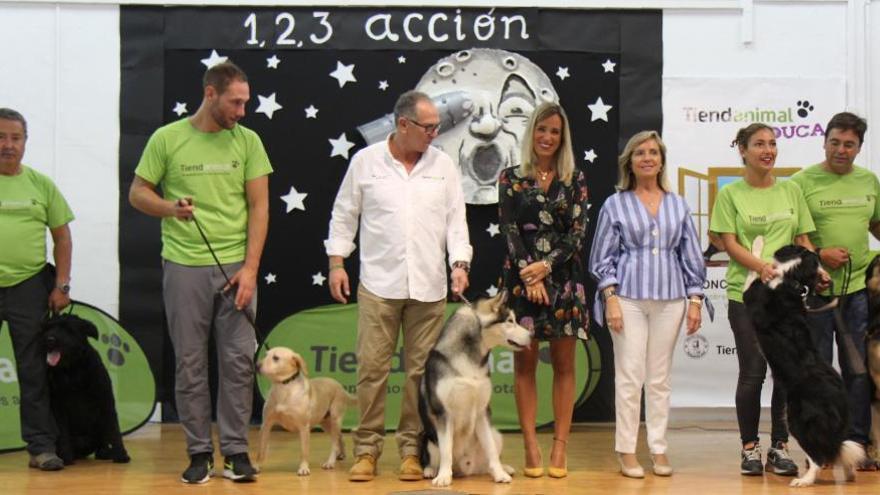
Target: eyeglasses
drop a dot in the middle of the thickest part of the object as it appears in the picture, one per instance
(428, 128)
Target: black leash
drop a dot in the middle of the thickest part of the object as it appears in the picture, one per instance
(248, 314)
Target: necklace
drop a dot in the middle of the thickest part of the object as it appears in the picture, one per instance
(544, 174)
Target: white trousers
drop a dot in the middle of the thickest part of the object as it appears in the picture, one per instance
(643, 357)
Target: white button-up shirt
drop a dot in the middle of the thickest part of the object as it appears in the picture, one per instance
(408, 222)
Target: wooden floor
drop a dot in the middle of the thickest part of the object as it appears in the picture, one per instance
(705, 456)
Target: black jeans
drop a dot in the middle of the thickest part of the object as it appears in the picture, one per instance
(823, 329)
(752, 370)
(23, 306)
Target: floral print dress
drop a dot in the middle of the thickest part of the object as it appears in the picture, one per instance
(551, 226)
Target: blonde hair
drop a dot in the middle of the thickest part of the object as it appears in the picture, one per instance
(626, 180)
(564, 155)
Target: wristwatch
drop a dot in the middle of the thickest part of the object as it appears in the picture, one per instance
(464, 265)
(64, 288)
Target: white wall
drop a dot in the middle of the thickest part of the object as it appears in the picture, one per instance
(60, 69)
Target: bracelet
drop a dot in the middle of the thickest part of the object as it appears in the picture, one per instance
(464, 265)
(608, 293)
(696, 301)
(547, 265)
(337, 266)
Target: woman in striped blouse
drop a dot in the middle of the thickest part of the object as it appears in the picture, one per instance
(647, 262)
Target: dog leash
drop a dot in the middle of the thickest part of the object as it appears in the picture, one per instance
(844, 338)
(248, 314)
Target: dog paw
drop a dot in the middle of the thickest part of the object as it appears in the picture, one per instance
(800, 482)
(442, 479)
(508, 469)
(329, 465)
(121, 458)
(303, 470)
(501, 476)
(428, 473)
(340, 456)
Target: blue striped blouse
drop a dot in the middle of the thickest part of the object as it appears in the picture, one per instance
(647, 257)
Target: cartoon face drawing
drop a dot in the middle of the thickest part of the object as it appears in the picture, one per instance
(485, 97)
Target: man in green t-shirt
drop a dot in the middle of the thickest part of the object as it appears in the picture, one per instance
(29, 204)
(843, 201)
(211, 168)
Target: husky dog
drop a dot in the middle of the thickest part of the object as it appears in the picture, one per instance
(455, 391)
(298, 403)
(816, 403)
(872, 282)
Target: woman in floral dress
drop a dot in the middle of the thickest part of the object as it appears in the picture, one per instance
(543, 214)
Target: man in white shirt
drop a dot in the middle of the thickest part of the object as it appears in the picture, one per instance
(408, 198)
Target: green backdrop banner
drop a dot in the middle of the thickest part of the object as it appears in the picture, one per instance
(133, 384)
(326, 336)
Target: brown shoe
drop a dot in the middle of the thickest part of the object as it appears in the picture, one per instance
(47, 461)
(410, 469)
(364, 469)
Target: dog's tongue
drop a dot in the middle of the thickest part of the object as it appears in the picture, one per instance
(53, 357)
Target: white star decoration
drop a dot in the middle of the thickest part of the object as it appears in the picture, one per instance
(268, 105)
(294, 200)
(343, 73)
(493, 229)
(318, 279)
(383, 85)
(270, 278)
(214, 59)
(599, 110)
(562, 73)
(608, 65)
(401, 59)
(341, 145)
(311, 112)
(179, 108)
(590, 155)
(492, 290)
(273, 61)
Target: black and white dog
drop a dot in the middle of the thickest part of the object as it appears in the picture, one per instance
(817, 411)
(872, 347)
(81, 393)
(455, 391)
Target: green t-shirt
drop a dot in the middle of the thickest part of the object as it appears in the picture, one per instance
(211, 168)
(843, 206)
(29, 202)
(778, 213)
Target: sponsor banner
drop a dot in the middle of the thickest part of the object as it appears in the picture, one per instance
(325, 337)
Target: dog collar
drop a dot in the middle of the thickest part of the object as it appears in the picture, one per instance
(292, 378)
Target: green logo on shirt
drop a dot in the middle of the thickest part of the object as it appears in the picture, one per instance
(844, 202)
(17, 205)
(208, 168)
(771, 217)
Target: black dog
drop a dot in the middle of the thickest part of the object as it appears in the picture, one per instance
(817, 411)
(80, 392)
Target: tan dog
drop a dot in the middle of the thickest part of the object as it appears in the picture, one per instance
(297, 403)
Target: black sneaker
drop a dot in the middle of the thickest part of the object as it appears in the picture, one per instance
(238, 468)
(751, 461)
(200, 470)
(779, 461)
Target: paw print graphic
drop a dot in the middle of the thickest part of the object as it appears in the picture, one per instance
(118, 349)
(804, 108)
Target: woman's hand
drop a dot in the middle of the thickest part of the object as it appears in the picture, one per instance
(534, 273)
(694, 317)
(768, 272)
(613, 314)
(537, 294)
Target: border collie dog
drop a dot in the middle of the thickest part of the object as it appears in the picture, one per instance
(817, 410)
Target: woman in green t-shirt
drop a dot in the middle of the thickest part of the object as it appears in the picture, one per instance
(757, 206)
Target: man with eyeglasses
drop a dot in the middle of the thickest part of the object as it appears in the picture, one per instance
(843, 201)
(408, 198)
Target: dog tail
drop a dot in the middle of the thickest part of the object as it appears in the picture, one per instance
(851, 454)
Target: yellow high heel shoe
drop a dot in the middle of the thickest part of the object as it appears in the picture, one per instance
(533, 472)
(558, 472)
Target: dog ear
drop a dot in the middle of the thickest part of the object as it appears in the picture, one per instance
(300, 364)
(499, 300)
(86, 327)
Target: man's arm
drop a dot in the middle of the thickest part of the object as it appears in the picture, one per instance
(62, 254)
(257, 191)
(143, 196)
